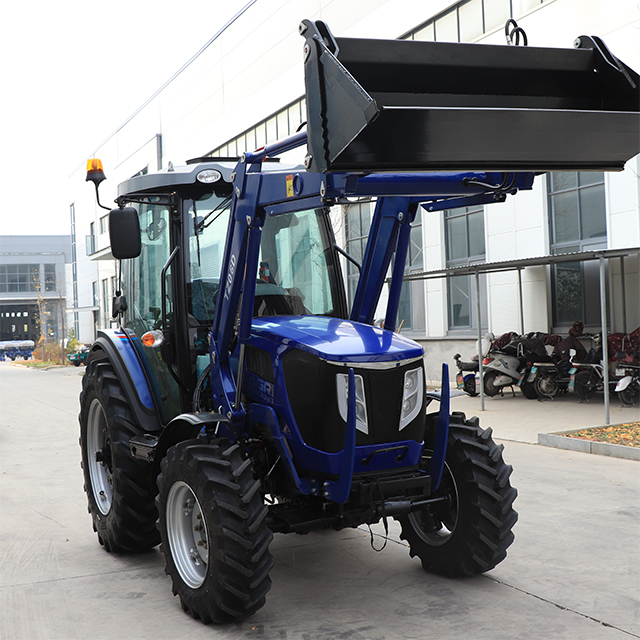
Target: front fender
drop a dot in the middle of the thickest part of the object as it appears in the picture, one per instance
(120, 352)
(183, 427)
(623, 383)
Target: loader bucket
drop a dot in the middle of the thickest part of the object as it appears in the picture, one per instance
(401, 105)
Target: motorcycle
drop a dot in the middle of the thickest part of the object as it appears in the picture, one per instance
(550, 378)
(587, 378)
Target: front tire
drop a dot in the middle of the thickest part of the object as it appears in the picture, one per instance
(631, 395)
(469, 386)
(490, 388)
(214, 537)
(120, 490)
(528, 390)
(469, 531)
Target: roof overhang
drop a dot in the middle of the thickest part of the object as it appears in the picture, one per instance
(521, 263)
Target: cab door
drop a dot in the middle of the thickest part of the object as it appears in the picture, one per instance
(150, 294)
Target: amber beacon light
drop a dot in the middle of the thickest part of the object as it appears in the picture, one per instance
(95, 171)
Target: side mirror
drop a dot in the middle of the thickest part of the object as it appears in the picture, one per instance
(124, 233)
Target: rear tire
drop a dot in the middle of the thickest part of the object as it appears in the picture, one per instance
(585, 384)
(469, 532)
(546, 386)
(120, 489)
(214, 537)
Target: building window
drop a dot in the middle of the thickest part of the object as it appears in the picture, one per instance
(105, 299)
(94, 291)
(464, 235)
(281, 124)
(104, 224)
(577, 217)
(19, 278)
(411, 310)
(91, 240)
(49, 277)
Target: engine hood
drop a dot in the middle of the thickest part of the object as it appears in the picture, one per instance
(336, 340)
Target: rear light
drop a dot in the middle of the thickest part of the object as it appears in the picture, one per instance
(487, 360)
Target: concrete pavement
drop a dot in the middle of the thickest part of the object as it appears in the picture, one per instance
(573, 571)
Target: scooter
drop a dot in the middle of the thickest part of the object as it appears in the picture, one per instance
(466, 376)
(510, 366)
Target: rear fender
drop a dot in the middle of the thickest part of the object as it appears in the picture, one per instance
(122, 355)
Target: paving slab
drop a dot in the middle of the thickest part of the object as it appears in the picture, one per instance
(573, 571)
(517, 418)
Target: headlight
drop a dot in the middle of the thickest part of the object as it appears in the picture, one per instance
(342, 383)
(411, 397)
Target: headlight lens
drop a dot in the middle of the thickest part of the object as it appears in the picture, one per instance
(412, 396)
(342, 384)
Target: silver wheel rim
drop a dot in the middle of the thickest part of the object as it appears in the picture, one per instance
(440, 536)
(99, 472)
(187, 534)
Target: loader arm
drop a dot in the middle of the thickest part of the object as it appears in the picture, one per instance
(257, 195)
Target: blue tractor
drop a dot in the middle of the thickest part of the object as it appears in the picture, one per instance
(242, 395)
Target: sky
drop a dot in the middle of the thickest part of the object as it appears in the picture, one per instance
(70, 73)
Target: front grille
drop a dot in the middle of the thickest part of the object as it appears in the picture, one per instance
(311, 388)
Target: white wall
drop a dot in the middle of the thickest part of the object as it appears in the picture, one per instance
(255, 68)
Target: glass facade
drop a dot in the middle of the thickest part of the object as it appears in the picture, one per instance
(471, 19)
(19, 278)
(577, 219)
(465, 244)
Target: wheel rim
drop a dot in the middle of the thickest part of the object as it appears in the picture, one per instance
(436, 523)
(546, 386)
(99, 457)
(187, 534)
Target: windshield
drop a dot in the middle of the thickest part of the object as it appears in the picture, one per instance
(294, 274)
